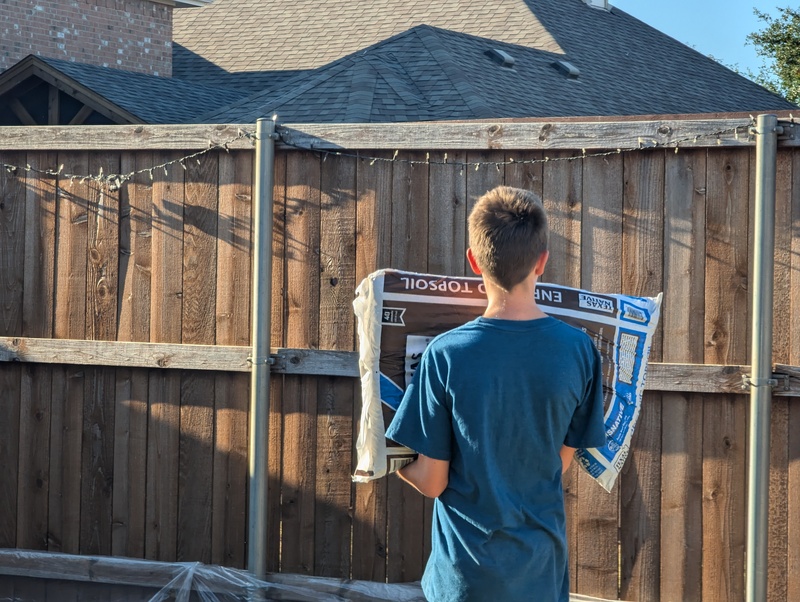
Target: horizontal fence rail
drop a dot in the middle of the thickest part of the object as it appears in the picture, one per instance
(687, 378)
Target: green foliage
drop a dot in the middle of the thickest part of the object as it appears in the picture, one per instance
(779, 44)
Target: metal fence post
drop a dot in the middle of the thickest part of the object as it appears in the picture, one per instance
(260, 340)
(761, 360)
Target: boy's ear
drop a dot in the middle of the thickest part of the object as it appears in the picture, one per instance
(538, 268)
(472, 263)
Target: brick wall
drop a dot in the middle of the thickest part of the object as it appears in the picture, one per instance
(134, 35)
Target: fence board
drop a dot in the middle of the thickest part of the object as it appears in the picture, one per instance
(102, 271)
(601, 237)
(130, 462)
(97, 457)
(36, 381)
(447, 216)
(12, 216)
(409, 250)
(642, 264)
(200, 234)
(793, 326)
(130, 413)
(562, 189)
(298, 486)
(373, 183)
(682, 414)
(724, 417)
(166, 312)
(335, 405)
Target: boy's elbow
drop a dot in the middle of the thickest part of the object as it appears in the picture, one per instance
(434, 488)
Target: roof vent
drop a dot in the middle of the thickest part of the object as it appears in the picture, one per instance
(601, 4)
(500, 57)
(567, 68)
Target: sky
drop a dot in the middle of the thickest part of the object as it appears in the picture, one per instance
(715, 27)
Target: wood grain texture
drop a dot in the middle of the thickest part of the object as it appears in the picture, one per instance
(165, 389)
(373, 185)
(196, 451)
(130, 413)
(300, 398)
(642, 275)
(682, 414)
(447, 215)
(36, 381)
(793, 455)
(601, 254)
(562, 190)
(97, 457)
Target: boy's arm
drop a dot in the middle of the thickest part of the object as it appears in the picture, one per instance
(426, 475)
(566, 453)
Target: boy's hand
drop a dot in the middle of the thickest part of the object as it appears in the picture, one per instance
(426, 475)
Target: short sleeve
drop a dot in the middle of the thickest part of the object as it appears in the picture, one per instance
(586, 429)
(422, 421)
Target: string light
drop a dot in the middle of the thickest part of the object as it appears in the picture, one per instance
(115, 181)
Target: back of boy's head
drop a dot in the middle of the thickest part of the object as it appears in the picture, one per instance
(507, 234)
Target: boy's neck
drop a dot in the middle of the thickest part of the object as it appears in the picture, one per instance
(517, 304)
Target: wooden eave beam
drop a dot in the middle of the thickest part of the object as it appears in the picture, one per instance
(82, 115)
(21, 112)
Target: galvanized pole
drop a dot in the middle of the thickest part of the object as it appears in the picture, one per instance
(260, 322)
(761, 360)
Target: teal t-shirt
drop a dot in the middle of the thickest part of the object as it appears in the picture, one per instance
(498, 399)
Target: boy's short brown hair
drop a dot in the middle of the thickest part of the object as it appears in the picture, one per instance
(507, 234)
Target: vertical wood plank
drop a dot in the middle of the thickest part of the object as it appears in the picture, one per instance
(724, 420)
(200, 228)
(165, 389)
(97, 461)
(447, 215)
(102, 271)
(66, 422)
(409, 251)
(12, 247)
(228, 526)
(102, 268)
(373, 246)
(597, 549)
(793, 326)
(130, 413)
(640, 481)
(682, 317)
(300, 393)
(36, 383)
(778, 543)
(562, 189)
(336, 331)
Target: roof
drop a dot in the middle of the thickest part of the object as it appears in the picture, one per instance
(151, 98)
(358, 61)
(428, 74)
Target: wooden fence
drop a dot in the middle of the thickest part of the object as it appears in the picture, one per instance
(120, 436)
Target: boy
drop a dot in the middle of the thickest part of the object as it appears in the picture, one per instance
(496, 409)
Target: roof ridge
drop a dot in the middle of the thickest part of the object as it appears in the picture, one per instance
(362, 92)
(429, 37)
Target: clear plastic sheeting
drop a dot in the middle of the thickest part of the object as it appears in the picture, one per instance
(27, 576)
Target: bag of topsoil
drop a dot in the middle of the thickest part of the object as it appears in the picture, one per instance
(399, 313)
